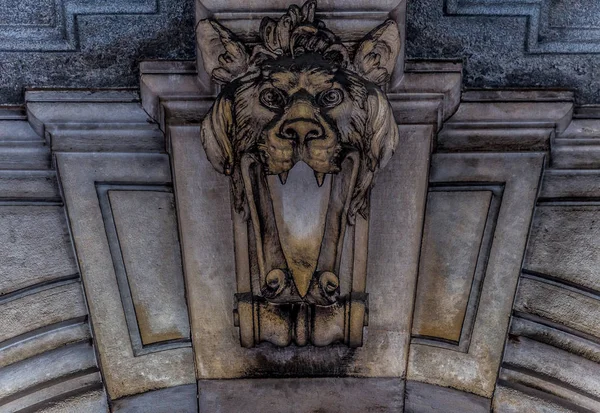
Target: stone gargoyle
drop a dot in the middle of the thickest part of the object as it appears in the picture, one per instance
(300, 104)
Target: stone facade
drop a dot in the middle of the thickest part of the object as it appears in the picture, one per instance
(119, 261)
(503, 43)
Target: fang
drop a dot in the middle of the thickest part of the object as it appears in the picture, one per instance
(320, 176)
(283, 177)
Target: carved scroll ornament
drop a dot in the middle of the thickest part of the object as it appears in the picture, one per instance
(301, 127)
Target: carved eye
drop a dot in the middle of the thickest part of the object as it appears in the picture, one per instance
(330, 98)
(273, 98)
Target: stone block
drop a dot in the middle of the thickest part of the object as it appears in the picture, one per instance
(322, 395)
(123, 372)
(397, 207)
(565, 243)
(179, 399)
(426, 398)
(474, 369)
(37, 248)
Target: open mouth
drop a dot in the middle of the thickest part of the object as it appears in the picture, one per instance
(298, 228)
(319, 177)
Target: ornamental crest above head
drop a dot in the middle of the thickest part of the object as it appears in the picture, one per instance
(301, 126)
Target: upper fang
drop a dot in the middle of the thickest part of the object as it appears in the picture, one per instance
(283, 177)
(320, 176)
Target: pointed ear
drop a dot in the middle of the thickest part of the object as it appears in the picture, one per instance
(384, 130)
(224, 56)
(383, 137)
(215, 132)
(378, 52)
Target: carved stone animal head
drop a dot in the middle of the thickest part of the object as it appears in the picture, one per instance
(298, 96)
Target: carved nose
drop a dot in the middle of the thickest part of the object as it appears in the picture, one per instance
(301, 130)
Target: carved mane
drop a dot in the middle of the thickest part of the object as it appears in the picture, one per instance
(297, 32)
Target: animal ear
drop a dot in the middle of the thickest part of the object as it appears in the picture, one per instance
(384, 130)
(215, 132)
(378, 52)
(224, 56)
(383, 137)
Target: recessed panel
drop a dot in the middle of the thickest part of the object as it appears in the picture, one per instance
(513, 179)
(128, 367)
(454, 226)
(147, 234)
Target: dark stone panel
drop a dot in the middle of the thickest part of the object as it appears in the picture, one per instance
(180, 399)
(89, 45)
(512, 44)
(314, 395)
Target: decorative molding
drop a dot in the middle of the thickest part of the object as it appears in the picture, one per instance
(558, 301)
(171, 330)
(520, 175)
(46, 353)
(486, 121)
(450, 278)
(125, 371)
(110, 120)
(490, 143)
(552, 27)
(423, 397)
(52, 26)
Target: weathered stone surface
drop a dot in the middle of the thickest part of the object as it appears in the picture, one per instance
(452, 237)
(73, 331)
(35, 310)
(574, 308)
(179, 399)
(508, 400)
(147, 232)
(40, 372)
(431, 78)
(92, 402)
(29, 185)
(45, 340)
(322, 395)
(552, 44)
(107, 45)
(556, 335)
(552, 357)
(89, 44)
(579, 146)
(77, 389)
(569, 184)
(124, 373)
(93, 121)
(506, 121)
(426, 398)
(575, 261)
(558, 373)
(552, 353)
(36, 249)
(394, 242)
(18, 131)
(45, 347)
(475, 370)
